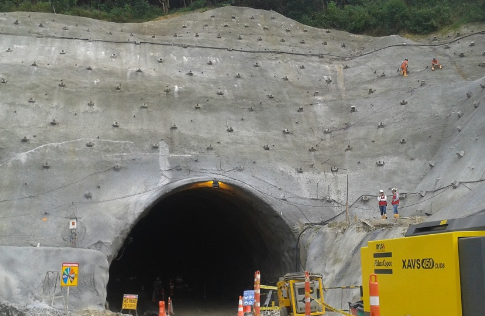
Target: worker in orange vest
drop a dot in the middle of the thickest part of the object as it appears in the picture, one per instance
(395, 202)
(404, 68)
(382, 199)
(435, 63)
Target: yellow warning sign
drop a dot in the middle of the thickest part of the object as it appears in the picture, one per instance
(69, 274)
(129, 301)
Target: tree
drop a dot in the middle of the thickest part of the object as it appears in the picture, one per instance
(165, 6)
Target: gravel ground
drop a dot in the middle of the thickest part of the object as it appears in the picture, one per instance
(40, 309)
(186, 310)
(192, 309)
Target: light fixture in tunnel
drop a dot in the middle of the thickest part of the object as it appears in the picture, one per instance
(212, 184)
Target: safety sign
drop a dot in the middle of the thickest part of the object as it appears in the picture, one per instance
(129, 301)
(69, 274)
(248, 298)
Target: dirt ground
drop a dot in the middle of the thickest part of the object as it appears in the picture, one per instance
(181, 307)
(192, 308)
(201, 310)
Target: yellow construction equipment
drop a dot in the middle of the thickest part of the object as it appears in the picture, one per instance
(268, 305)
(438, 268)
(291, 294)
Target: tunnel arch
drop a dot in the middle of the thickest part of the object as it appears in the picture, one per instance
(211, 233)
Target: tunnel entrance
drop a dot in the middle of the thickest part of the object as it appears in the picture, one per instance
(208, 241)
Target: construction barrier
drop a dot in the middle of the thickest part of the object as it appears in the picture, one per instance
(374, 296)
(257, 293)
(240, 311)
(343, 287)
(326, 306)
(333, 309)
(161, 308)
(308, 308)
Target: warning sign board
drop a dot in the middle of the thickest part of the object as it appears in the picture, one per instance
(69, 274)
(129, 301)
(248, 298)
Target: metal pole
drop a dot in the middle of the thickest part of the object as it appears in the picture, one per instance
(67, 300)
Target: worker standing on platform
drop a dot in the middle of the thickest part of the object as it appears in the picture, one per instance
(395, 202)
(404, 68)
(382, 199)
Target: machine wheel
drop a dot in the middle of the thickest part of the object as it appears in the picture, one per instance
(283, 311)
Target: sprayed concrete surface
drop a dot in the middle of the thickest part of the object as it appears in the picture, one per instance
(100, 121)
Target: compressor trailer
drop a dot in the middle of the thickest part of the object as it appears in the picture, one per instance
(438, 268)
(291, 294)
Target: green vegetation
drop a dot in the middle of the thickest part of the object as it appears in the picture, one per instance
(378, 17)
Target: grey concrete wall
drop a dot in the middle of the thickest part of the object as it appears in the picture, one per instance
(109, 185)
(23, 274)
(306, 81)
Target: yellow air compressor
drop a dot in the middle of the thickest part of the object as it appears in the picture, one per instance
(438, 268)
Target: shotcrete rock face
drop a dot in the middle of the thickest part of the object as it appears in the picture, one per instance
(124, 127)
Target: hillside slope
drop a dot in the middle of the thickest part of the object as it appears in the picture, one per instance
(102, 121)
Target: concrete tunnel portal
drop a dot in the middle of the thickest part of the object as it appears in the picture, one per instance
(213, 235)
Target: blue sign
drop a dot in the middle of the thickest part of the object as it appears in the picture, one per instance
(248, 298)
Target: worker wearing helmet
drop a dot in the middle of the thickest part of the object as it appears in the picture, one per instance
(395, 202)
(382, 199)
(404, 68)
(435, 63)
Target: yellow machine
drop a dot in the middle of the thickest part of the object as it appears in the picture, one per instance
(437, 269)
(291, 294)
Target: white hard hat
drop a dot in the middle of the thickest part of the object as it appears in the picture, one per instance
(381, 191)
(394, 189)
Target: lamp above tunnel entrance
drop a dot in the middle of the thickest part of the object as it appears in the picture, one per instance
(214, 184)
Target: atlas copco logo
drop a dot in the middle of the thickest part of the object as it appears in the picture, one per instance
(425, 263)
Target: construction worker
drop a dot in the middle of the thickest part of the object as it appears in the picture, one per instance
(157, 290)
(404, 68)
(382, 199)
(395, 202)
(435, 63)
(171, 286)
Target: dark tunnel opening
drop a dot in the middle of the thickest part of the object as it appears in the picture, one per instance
(208, 241)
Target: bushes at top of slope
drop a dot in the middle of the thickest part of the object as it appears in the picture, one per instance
(383, 18)
(380, 17)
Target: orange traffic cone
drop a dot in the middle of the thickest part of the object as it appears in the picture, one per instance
(375, 309)
(240, 311)
(161, 308)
